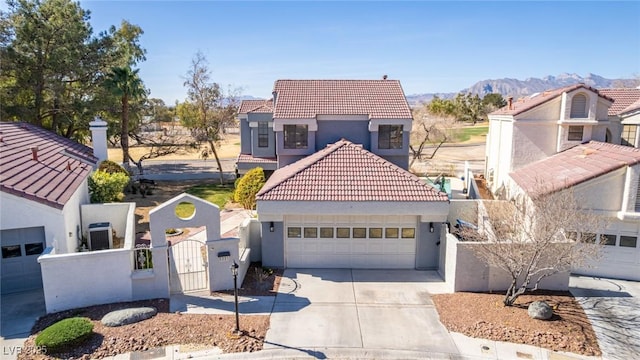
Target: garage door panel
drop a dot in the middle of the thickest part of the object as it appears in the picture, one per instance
(406, 246)
(350, 250)
(343, 247)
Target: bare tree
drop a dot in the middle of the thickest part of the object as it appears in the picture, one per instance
(535, 237)
(212, 110)
(429, 131)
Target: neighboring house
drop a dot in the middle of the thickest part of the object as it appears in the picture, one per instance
(624, 115)
(43, 182)
(606, 179)
(541, 125)
(346, 207)
(305, 116)
(258, 141)
(580, 138)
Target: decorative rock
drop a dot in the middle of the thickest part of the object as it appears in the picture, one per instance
(128, 316)
(540, 310)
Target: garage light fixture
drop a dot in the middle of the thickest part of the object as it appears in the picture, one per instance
(431, 227)
(271, 226)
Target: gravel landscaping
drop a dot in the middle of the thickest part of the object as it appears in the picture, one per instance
(482, 315)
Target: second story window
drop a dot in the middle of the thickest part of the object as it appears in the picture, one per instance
(390, 137)
(629, 135)
(263, 134)
(575, 133)
(579, 106)
(295, 136)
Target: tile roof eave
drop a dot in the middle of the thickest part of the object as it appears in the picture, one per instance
(24, 195)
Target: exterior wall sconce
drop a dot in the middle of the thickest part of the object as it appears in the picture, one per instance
(271, 226)
(431, 227)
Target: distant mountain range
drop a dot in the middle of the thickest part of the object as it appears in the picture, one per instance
(518, 88)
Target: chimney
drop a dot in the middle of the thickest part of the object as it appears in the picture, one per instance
(98, 129)
(384, 77)
(510, 102)
(34, 153)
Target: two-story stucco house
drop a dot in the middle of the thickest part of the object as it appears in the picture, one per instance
(341, 195)
(582, 139)
(305, 116)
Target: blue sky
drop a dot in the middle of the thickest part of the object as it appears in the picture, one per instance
(429, 46)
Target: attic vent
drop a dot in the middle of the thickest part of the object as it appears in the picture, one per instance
(579, 106)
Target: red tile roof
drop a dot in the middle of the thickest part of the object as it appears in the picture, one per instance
(623, 99)
(574, 166)
(346, 172)
(304, 99)
(527, 103)
(256, 106)
(248, 158)
(61, 166)
(633, 107)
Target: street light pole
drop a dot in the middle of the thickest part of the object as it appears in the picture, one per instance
(234, 272)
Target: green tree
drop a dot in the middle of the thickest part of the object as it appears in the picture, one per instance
(494, 101)
(53, 65)
(126, 84)
(209, 111)
(248, 186)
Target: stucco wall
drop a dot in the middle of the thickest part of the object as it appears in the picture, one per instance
(331, 131)
(428, 245)
(84, 279)
(18, 212)
(245, 136)
(602, 193)
(269, 151)
(532, 142)
(465, 271)
(273, 244)
(120, 215)
(499, 151)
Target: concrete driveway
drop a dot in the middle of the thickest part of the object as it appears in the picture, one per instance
(613, 307)
(370, 309)
(19, 313)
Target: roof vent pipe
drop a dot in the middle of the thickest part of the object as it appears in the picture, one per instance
(510, 102)
(34, 153)
(384, 77)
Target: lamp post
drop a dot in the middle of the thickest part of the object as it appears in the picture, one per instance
(234, 272)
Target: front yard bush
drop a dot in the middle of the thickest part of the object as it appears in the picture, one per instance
(65, 332)
(112, 167)
(247, 187)
(105, 187)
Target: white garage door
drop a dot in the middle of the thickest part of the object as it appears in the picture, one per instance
(620, 258)
(19, 264)
(365, 242)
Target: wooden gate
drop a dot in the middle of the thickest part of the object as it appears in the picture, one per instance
(188, 266)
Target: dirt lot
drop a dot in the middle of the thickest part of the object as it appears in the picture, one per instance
(482, 315)
(229, 148)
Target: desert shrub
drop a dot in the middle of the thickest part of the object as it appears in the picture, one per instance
(65, 332)
(111, 167)
(247, 187)
(105, 187)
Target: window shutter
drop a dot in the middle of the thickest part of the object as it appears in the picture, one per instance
(579, 106)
